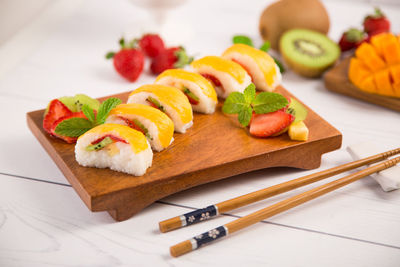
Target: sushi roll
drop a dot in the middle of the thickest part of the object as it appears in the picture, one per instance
(199, 90)
(169, 100)
(114, 146)
(154, 124)
(259, 65)
(226, 75)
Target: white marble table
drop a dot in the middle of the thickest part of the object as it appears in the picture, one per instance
(44, 223)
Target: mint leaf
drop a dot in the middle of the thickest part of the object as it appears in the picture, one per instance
(242, 39)
(105, 108)
(245, 116)
(89, 113)
(266, 46)
(73, 127)
(234, 103)
(266, 102)
(280, 65)
(250, 93)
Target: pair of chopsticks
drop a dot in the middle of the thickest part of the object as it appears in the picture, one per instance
(238, 224)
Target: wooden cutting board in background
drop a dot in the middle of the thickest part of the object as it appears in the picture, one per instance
(336, 80)
(216, 147)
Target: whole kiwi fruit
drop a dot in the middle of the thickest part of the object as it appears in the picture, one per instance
(284, 15)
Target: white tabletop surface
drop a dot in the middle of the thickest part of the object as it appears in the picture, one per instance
(43, 222)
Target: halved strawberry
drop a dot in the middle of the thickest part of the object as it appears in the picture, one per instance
(67, 139)
(55, 111)
(264, 125)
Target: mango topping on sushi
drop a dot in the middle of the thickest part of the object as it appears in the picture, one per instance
(259, 64)
(171, 96)
(202, 82)
(135, 138)
(165, 126)
(221, 64)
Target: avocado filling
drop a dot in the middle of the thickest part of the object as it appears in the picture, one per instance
(193, 99)
(100, 145)
(154, 102)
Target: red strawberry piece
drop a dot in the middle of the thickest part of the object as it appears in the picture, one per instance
(351, 39)
(67, 139)
(152, 45)
(376, 23)
(129, 63)
(212, 79)
(55, 111)
(174, 57)
(264, 125)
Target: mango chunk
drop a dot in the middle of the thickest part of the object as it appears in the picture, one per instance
(298, 131)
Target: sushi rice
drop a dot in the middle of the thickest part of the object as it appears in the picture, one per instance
(260, 66)
(160, 127)
(197, 84)
(174, 102)
(133, 157)
(231, 75)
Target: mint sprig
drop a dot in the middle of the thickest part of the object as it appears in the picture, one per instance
(244, 104)
(76, 126)
(242, 39)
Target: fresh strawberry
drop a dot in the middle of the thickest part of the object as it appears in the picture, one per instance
(152, 45)
(351, 39)
(67, 139)
(129, 61)
(376, 23)
(264, 125)
(170, 58)
(55, 111)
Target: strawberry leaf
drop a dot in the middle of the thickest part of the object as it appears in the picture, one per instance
(73, 127)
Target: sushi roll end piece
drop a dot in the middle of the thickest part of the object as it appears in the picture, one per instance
(199, 91)
(259, 65)
(169, 100)
(226, 75)
(153, 123)
(114, 146)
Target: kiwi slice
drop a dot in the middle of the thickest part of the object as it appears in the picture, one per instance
(307, 52)
(75, 103)
(297, 110)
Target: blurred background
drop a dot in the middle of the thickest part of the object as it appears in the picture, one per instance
(16, 14)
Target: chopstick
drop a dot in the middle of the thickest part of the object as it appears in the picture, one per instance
(234, 203)
(238, 224)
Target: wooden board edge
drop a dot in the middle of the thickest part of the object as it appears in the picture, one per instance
(313, 154)
(57, 159)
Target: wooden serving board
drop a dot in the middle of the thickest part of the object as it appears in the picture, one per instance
(216, 147)
(336, 80)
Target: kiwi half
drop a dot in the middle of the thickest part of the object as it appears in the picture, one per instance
(307, 52)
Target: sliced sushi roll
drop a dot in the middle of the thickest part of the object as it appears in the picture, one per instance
(226, 75)
(198, 90)
(114, 146)
(153, 123)
(169, 100)
(259, 65)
